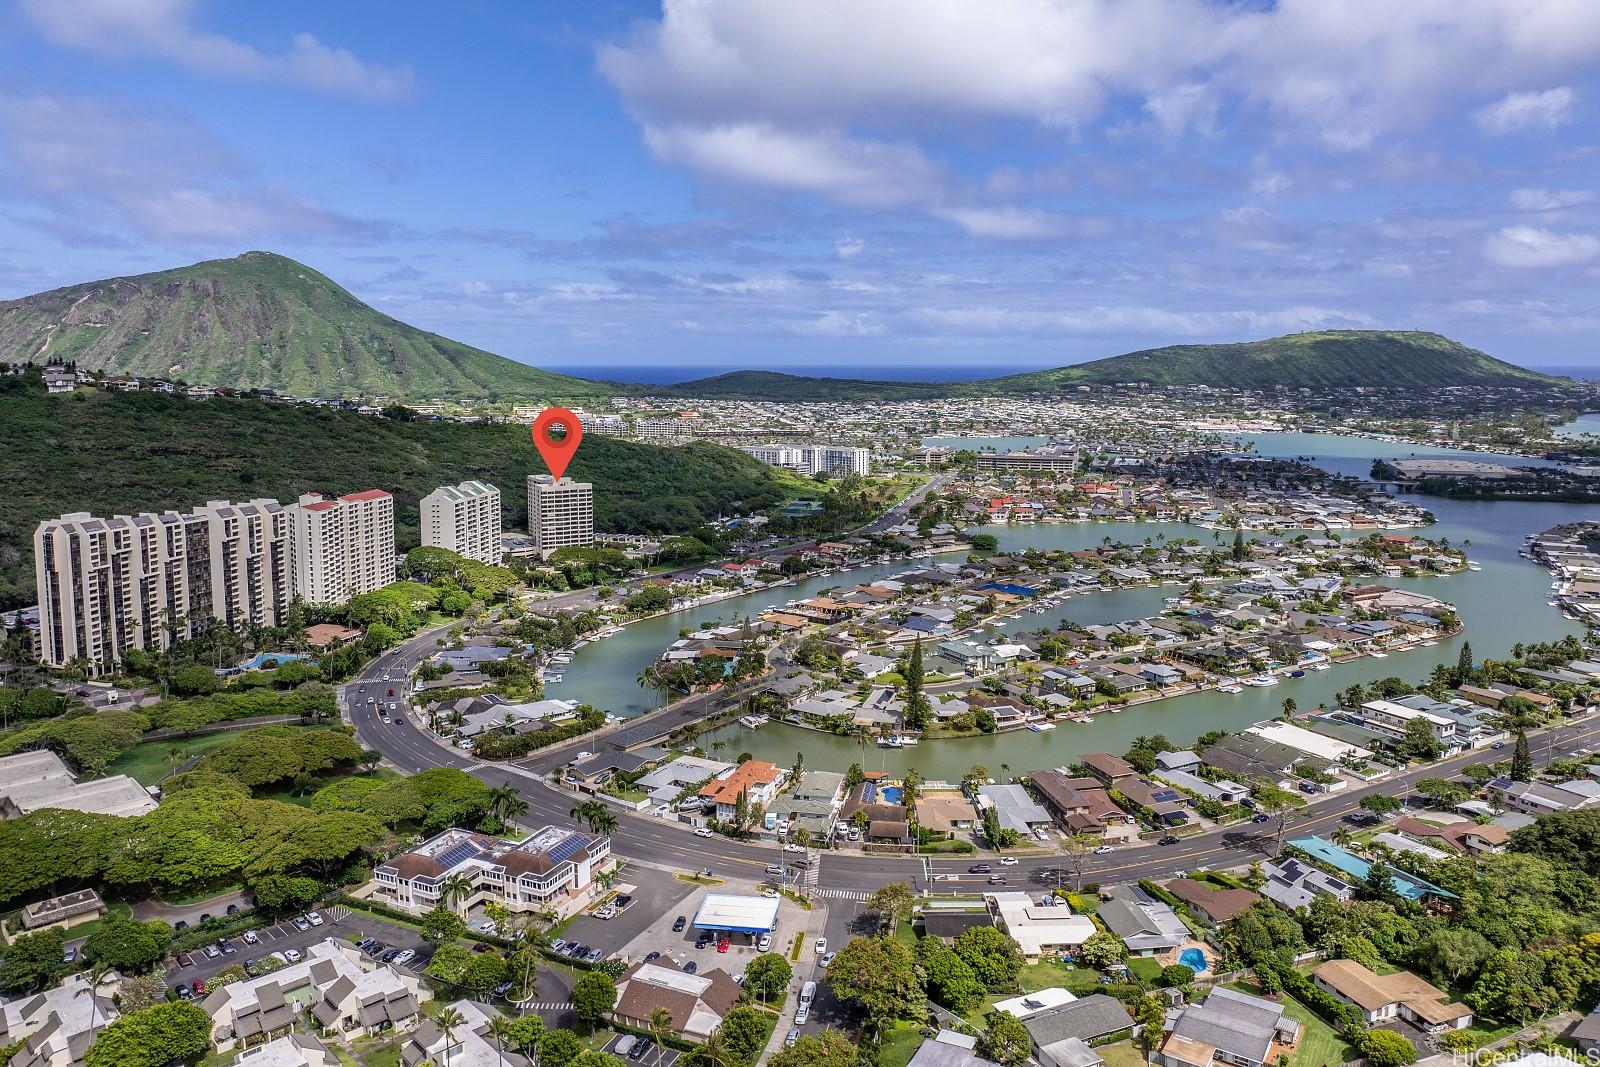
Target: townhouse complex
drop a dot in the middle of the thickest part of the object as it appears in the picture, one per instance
(465, 519)
(551, 869)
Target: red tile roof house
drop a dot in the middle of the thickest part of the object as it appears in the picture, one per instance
(757, 778)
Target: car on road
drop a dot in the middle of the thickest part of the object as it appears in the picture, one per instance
(792, 847)
(979, 868)
(703, 831)
(1008, 861)
(774, 868)
(251, 937)
(1260, 816)
(995, 879)
(1104, 850)
(1170, 839)
(404, 956)
(794, 1035)
(69, 954)
(828, 959)
(1498, 745)
(822, 946)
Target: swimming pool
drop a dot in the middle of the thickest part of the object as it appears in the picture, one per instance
(277, 659)
(1193, 959)
(891, 794)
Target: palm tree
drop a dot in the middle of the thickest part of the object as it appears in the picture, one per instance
(660, 1026)
(500, 1030)
(500, 797)
(98, 971)
(602, 821)
(454, 889)
(448, 1020)
(715, 1052)
(513, 810)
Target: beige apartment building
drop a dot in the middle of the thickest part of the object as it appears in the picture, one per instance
(145, 581)
(560, 513)
(342, 547)
(465, 519)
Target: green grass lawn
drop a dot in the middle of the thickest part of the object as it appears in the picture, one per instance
(1146, 968)
(1319, 1043)
(149, 762)
(1049, 974)
(1121, 1054)
(900, 1043)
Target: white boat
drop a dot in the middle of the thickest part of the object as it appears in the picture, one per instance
(754, 722)
(1380, 655)
(904, 740)
(1230, 688)
(888, 742)
(1429, 644)
(1321, 667)
(1041, 727)
(1261, 681)
(1474, 566)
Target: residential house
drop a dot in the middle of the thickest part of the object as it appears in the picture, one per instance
(756, 779)
(1227, 1027)
(57, 1026)
(1460, 837)
(1145, 926)
(1080, 805)
(467, 1044)
(1399, 995)
(1015, 808)
(1540, 798)
(946, 813)
(1108, 768)
(1292, 883)
(1039, 930)
(1215, 904)
(1061, 1035)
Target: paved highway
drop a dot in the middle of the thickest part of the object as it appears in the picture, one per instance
(411, 748)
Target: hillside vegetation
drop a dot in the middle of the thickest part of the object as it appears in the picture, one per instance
(261, 320)
(1326, 360)
(129, 452)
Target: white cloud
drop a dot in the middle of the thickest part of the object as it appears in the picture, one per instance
(988, 320)
(1008, 223)
(1516, 112)
(848, 247)
(162, 28)
(91, 168)
(839, 324)
(1529, 246)
(1549, 199)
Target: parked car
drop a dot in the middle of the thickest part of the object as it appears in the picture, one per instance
(479, 946)
(251, 937)
(404, 956)
(559, 945)
(650, 957)
(183, 992)
(679, 923)
(313, 918)
(594, 955)
(822, 946)
(764, 943)
(828, 959)
(794, 1035)
(70, 954)
(212, 952)
(801, 1014)
(302, 923)
(185, 960)
(233, 909)
(293, 955)
(607, 911)
(226, 946)
(369, 945)
(768, 891)
(690, 967)
(637, 1052)
(199, 987)
(722, 946)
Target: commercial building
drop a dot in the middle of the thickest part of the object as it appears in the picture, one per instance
(726, 912)
(465, 519)
(30, 781)
(560, 513)
(552, 868)
(1045, 460)
(346, 993)
(343, 547)
(696, 1003)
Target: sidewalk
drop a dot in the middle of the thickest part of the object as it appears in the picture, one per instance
(816, 926)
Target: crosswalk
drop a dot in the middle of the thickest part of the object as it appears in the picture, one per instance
(548, 1005)
(813, 871)
(853, 895)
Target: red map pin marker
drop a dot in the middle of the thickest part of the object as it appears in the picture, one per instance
(557, 452)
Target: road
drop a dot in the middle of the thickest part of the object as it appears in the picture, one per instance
(411, 748)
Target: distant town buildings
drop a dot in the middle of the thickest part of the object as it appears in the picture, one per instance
(465, 519)
(560, 513)
(343, 547)
(1047, 460)
(814, 459)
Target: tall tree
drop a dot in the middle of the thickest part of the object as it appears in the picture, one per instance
(1463, 672)
(1521, 759)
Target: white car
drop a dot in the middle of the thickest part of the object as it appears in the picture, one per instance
(793, 848)
(764, 943)
(1104, 850)
(768, 891)
(802, 1014)
(1008, 861)
(702, 831)
(822, 946)
(250, 937)
(292, 955)
(484, 926)
(606, 912)
(313, 918)
(404, 958)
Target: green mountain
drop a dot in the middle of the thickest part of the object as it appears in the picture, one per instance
(128, 452)
(1325, 360)
(261, 320)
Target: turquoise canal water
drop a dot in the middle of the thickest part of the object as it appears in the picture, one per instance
(1501, 604)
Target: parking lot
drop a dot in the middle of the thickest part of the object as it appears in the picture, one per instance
(655, 893)
(644, 1053)
(284, 936)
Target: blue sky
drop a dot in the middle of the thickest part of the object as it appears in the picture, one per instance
(838, 184)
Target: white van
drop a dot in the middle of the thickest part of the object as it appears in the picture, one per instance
(808, 993)
(624, 1046)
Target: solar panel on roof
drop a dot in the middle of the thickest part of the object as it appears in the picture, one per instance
(464, 851)
(567, 848)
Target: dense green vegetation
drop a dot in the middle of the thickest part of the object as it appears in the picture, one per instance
(261, 320)
(132, 452)
(1328, 359)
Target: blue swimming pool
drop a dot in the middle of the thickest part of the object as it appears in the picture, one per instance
(891, 794)
(1193, 959)
(277, 659)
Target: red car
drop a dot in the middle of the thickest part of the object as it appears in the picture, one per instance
(722, 946)
(199, 987)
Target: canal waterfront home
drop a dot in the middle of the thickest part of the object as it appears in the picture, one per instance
(757, 780)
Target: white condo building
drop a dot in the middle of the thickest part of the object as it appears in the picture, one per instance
(814, 459)
(465, 519)
(342, 547)
(145, 581)
(560, 513)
